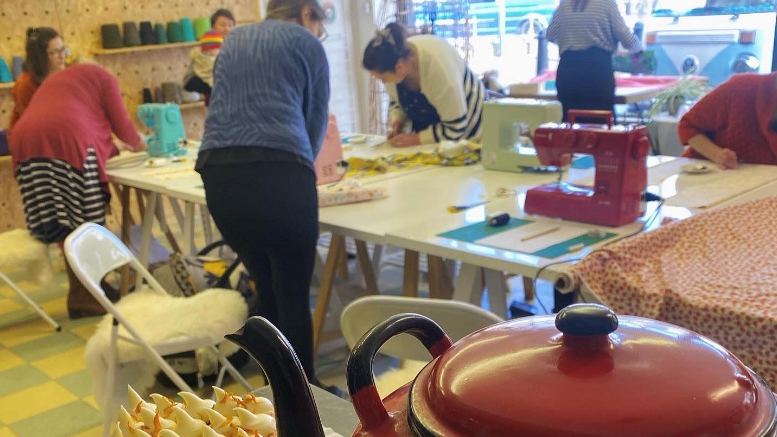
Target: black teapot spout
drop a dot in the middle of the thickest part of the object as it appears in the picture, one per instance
(295, 408)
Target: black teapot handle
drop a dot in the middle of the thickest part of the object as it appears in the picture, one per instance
(295, 408)
(361, 381)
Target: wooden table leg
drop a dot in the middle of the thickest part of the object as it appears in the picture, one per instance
(148, 233)
(126, 222)
(139, 196)
(497, 292)
(325, 289)
(188, 229)
(365, 264)
(529, 294)
(410, 277)
(469, 284)
(342, 264)
(162, 219)
(440, 286)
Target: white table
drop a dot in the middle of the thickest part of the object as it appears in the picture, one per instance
(416, 212)
(423, 236)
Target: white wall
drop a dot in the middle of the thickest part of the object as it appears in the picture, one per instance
(363, 29)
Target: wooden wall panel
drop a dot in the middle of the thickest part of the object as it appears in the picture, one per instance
(79, 22)
(11, 213)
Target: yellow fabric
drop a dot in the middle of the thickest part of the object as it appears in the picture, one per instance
(359, 167)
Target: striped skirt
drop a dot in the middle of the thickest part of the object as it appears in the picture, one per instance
(58, 197)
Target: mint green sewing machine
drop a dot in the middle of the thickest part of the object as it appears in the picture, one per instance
(508, 129)
(169, 135)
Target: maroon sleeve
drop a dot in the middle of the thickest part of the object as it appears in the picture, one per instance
(121, 125)
(709, 115)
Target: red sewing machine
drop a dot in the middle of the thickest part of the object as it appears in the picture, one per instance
(621, 171)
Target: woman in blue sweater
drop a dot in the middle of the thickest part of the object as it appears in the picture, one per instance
(266, 123)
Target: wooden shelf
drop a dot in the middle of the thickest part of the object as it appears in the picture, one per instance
(186, 106)
(6, 86)
(148, 48)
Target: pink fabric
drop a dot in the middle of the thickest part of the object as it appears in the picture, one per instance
(621, 80)
(715, 273)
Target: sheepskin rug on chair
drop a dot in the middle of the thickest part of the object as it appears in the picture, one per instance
(21, 248)
(393, 379)
(158, 318)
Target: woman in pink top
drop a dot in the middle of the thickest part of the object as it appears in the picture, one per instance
(59, 151)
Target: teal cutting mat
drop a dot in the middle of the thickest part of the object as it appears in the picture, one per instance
(478, 231)
(562, 248)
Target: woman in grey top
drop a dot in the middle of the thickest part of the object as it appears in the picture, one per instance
(587, 33)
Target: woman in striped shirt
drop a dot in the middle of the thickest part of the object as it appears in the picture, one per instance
(60, 148)
(587, 33)
(431, 89)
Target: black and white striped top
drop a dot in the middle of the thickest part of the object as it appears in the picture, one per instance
(58, 198)
(593, 23)
(449, 86)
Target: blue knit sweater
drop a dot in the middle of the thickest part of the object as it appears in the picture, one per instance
(271, 90)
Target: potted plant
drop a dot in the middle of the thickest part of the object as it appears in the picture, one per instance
(685, 90)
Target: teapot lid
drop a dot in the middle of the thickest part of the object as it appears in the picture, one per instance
(587, 373)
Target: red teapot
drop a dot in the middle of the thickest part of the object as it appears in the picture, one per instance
(583, 373)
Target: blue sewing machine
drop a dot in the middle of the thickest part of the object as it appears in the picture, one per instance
(169, 136)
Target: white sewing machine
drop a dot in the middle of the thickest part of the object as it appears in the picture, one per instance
(508, 132)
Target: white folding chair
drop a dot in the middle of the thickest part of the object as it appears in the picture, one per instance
(93, 252)
(10, 241)
(457, 319)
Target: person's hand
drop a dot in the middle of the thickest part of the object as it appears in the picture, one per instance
(141, 145)
(396, 129)
(727, 159)
(406, 140)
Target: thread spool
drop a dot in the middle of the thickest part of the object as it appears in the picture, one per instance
(174, 33)
(17, 67)
(5, 72)
(147, 97)
(131, 34)
(187, 29)
(201, 25)
(4, 147)
(111, 36)
(161, 33)
(498, 219)
(147, 34)
(159, 96)
(172, 93)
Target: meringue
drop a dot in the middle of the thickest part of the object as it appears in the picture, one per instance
(225, 402)
(210, 432)
(154, 421)
(220, 423)
(257, 405)
(195, 406)
(164, 405)
(126, 421)
(262, 423)
(186, 425)
(135, 401)
(116, 431)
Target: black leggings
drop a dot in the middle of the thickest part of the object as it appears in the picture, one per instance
(268, 213)
(585, 80)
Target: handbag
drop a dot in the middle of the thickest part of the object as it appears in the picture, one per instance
(185, 276)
